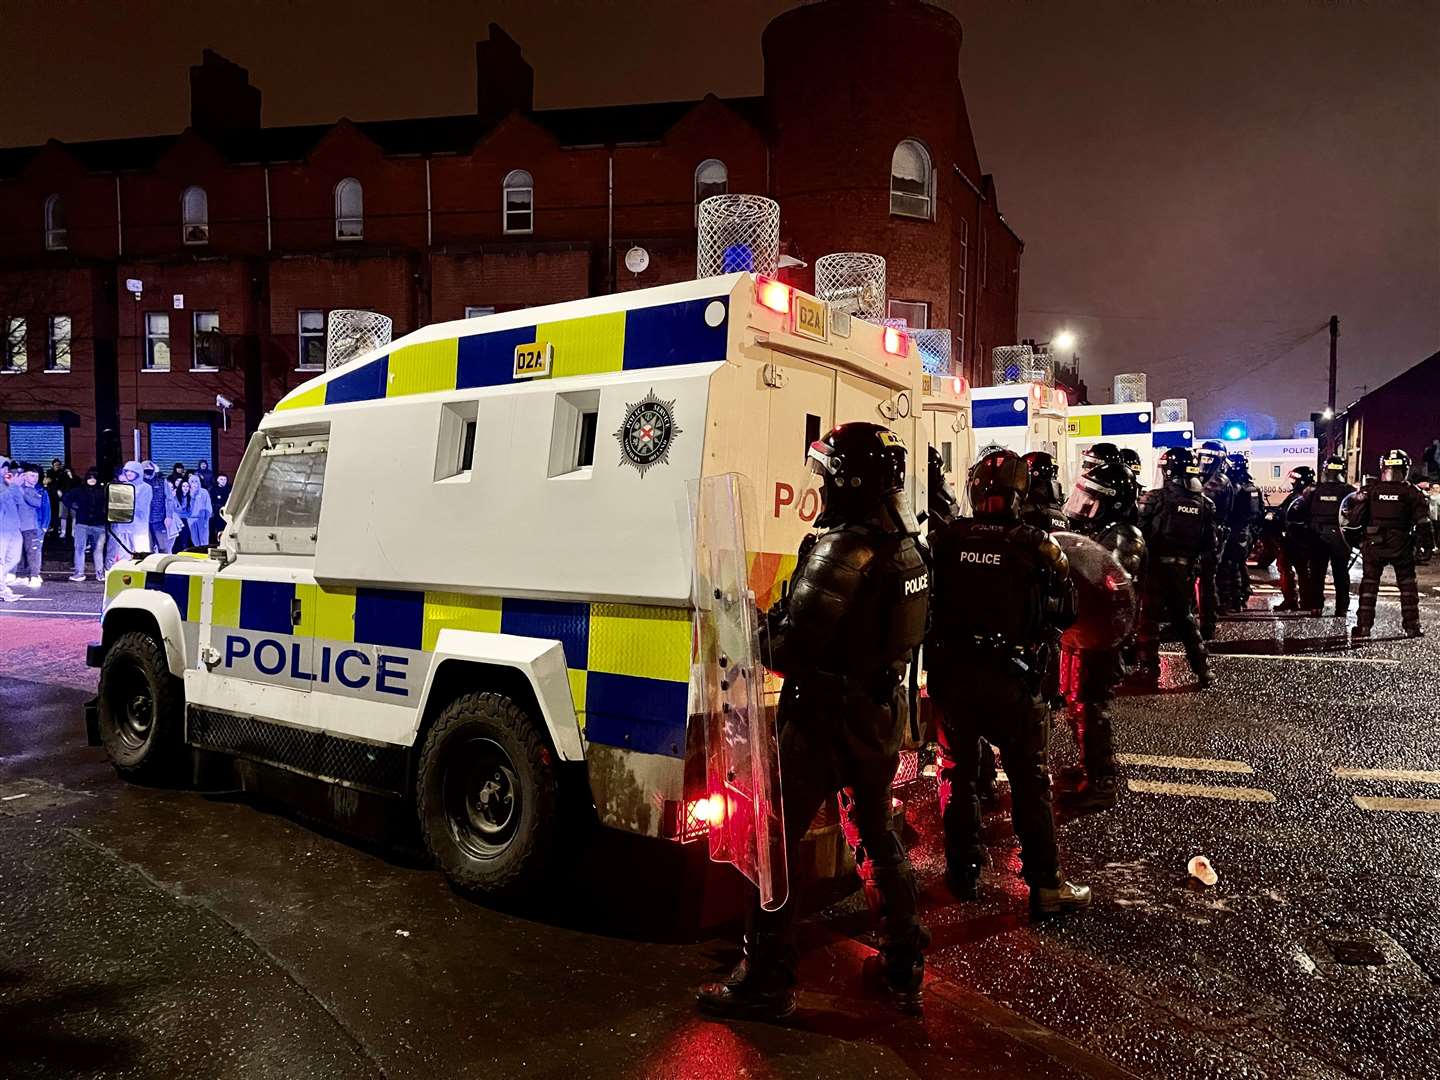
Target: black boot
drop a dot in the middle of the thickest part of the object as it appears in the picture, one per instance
(1359, 633)
(1058, 899)
(1095, 793)
(963, 881)
(760, 988)
(1414, 631)
(897, 973)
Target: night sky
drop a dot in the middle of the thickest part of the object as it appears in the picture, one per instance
(1200, 185)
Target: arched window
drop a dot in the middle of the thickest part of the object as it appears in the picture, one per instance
(195, 216)
(349, 210)
(519, 202)
(912, 181)
(711, 178)
(56, 235)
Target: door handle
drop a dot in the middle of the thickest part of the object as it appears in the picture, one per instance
(295, 611)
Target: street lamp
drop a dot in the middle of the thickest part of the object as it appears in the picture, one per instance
(1064, 341)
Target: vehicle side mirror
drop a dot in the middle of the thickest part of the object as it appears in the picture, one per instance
(120, 504)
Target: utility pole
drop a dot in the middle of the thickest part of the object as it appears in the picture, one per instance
(1334, 337)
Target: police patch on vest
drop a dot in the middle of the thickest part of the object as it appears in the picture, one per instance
(647, 432)
(985, 558)
(917, 585)
(1188, 509)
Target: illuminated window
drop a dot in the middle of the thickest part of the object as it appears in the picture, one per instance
(519, 202)
(349, 210)
(13, 356)
(57, 236)
(195, 216)
(711, 178)
(312, 340)
(204, 344)
(912, 181)
(157, 341)
(916, 313)
(58, 351)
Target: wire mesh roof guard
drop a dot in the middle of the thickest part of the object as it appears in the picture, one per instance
(1021, 364)
(852, 281)
(350, 332)
(1173, 410)
(738, 233)
(1130, 388)
(934, 349)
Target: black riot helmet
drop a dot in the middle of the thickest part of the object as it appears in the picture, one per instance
(1179, 466)
(1395, 466)
(861, 465)
(1333, 469)
(1132, 459)
(1044, 479)
(1238, 468)
(998, 484)
(1100, 453)
(1103, 494)
(1210, 456)
(1301, 477)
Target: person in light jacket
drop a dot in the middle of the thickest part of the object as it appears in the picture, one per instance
(134, 537)
(34, 510)
(198, 517)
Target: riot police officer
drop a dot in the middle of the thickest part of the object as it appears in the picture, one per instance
(1390, 510)
(944, 507)
(855, 610)
(1044, 506)
(1102, 506)
(1247, 508)
(1178, 523)
(1319, 509)
(1001, 594)
(1217, 487)
(1292, 555)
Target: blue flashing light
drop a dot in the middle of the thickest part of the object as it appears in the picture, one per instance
(737, 257)
(1235, 430)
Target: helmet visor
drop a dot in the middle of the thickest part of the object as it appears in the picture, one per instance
(1088, 499)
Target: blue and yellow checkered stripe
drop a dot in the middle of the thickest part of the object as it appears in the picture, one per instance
(1100, 424)
(633, 340)
(629, 664)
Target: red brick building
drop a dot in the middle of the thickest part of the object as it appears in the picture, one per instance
(242, 237)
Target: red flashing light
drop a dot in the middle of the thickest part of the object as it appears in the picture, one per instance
(1061, 399)
(959, 383)
(1035, 392)
(773, 294)
(895, 341)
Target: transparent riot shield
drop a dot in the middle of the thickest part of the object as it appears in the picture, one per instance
(742, 805)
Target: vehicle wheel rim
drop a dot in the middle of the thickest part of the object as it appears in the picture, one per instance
(481, 794)
(133, 705)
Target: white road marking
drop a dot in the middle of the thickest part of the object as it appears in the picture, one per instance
(1413, 776)
(1297, 658)
(1398, 806)
(11, 798)
(1199, 764)
(13, 611)
(1203, 791)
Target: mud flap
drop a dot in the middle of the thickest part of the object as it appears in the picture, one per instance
(742, 806)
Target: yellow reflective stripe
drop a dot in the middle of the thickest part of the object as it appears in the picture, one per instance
(225, 602)
(334, 613)
(649, 642)
(115, 582)
(309, 598)
(587, 346)
(458, 611)
(577, 693)
(424, 368)
(303, 397)
(192, 598)
(1082, 427)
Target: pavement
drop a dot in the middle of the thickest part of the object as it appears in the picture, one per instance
(150, 932)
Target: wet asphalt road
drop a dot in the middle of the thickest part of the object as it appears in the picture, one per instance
(148, 932)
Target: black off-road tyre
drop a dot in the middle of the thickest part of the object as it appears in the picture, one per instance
(486, 797)
(142, 710)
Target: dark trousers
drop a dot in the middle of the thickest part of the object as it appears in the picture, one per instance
(1091, 676)
(1232, 579)
(836, 733)
(1011, 715)
(1330, 552)
(1169, 596)
(1374, 564)
(1291, 559)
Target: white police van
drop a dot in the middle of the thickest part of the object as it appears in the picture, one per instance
(459, 572)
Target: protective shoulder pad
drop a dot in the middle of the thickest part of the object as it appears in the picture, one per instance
(1051, 555)
(851, 548)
